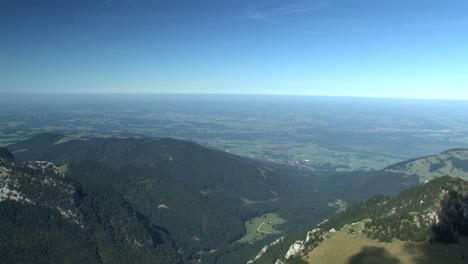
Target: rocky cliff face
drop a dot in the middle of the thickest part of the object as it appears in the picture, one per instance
(38, 183)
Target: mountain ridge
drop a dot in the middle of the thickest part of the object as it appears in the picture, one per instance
(179, 158)
(450, 162)
(423, 218)
(203, 197)
(200, 198)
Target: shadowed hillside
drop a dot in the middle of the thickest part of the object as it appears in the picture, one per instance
(48, 218)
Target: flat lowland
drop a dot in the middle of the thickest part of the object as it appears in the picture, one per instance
(346, 248)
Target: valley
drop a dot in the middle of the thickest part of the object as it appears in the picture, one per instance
(220, 195)
(310, 134)
(258, 228)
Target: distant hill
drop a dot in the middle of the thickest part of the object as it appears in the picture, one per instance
(355, 186)
(425, 224)
(452, 162)
(209, 170)
(47, 218)
(199, 167)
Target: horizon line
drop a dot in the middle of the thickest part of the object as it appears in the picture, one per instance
(232, 94)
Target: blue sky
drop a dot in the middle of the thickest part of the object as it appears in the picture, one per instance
(394, 48)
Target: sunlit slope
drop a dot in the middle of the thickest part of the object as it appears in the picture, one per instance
(452, 162)
(345, 247)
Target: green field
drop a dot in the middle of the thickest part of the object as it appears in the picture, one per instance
(260, 227)
(305, 155)
(63, 168)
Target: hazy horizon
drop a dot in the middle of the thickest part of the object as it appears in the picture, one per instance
(25, 93)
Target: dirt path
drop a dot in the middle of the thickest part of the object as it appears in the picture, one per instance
(261, 231)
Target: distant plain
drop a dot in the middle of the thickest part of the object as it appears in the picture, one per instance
(318, 133)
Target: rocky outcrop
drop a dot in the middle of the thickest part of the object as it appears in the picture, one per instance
(265, 249)
(295, 249)
(39, 183)
(313, 239)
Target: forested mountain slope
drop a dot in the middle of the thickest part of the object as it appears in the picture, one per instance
(425, 224)
(355, 186)
(211, 202)
(47, 218)
(203, 197)
(199, 167)
(451, 162)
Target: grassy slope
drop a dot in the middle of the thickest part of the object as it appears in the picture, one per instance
(354, 246)
(345, 248)
(435, 166)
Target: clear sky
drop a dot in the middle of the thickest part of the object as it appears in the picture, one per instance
(381, 48)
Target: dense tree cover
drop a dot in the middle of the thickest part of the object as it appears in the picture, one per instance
(436, 211)
(302, 194)
(111, 232)
(198, 167)
(356, 186)
(357, 212)
(33, 234)
(453, 218)
(123, 235)
(192, 191)
(202, 197)
(199, 221)
(459, 163)
(412, 215)
(6, 155)
(436, 166)
(48, 218)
